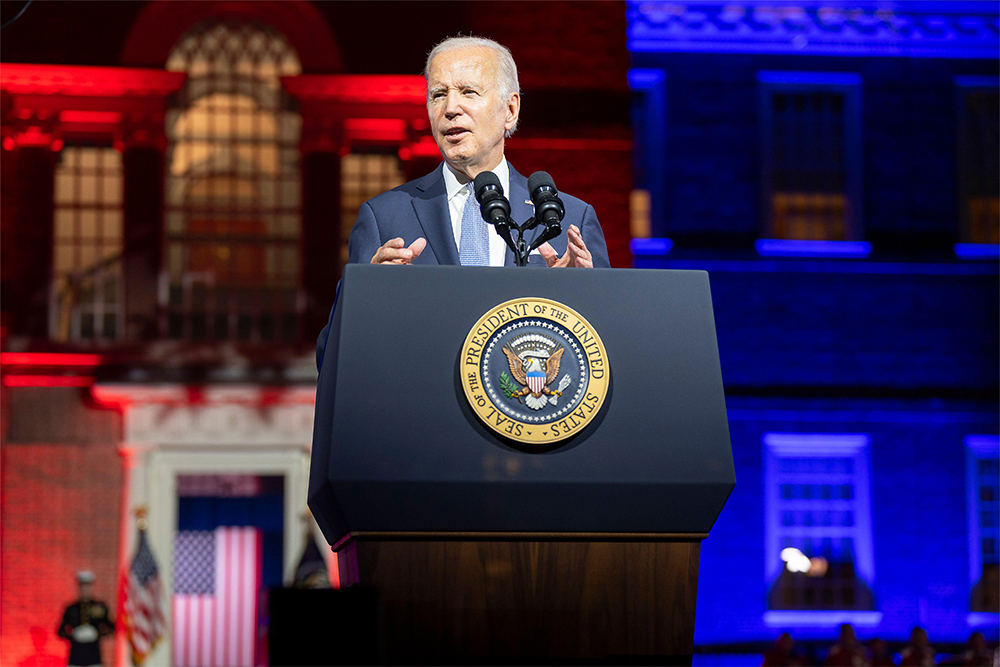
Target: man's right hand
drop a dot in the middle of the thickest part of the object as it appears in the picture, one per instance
(395, 251)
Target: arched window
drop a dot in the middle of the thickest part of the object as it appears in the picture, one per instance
(233, 200)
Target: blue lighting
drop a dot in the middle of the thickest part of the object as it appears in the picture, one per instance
(918, 29)
(644, 78)
(645, 247)
(977, 250)
(792, 248)
(795, 618)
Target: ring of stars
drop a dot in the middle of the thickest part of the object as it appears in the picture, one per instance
(501, 401)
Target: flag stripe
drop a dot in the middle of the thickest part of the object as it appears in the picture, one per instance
(218, 628)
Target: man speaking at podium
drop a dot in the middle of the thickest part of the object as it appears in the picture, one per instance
(473, 102)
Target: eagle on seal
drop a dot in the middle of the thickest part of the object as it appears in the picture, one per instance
(536, 375)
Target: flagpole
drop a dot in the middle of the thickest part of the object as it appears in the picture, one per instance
(121, 654)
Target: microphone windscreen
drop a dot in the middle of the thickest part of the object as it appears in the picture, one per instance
(484, 179)
(537, 179)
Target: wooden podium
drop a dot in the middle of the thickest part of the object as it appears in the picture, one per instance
(483, 550)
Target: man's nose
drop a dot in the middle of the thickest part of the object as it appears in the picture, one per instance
(452, 108)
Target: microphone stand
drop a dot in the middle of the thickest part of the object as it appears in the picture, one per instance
(520, 247)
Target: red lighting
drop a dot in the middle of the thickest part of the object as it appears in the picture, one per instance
(68, 80)
(49, 359)
(47, 381)
(57, 145)
(8, 144)
(99, 117)
(375, 129)
(371, 88)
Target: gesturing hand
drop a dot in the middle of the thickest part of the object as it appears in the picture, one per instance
(576, 254)
(395, 252)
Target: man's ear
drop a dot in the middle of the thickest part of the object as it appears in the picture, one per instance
(513, 110)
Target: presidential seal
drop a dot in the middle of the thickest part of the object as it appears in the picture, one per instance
(534, 371)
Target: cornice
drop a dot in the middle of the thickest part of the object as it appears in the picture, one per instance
(69, 80)
(958, 30)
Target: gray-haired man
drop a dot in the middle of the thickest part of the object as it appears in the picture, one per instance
(473, 103)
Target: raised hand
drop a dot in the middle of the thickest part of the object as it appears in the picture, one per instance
(395, 251)
(576, 254)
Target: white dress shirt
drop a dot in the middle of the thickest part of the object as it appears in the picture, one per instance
(454, 184)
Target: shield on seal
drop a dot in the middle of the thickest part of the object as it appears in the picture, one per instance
(536, 381)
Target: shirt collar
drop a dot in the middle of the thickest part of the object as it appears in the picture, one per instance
(454, 186)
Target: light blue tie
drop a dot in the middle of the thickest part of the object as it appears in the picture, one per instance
(474, 247)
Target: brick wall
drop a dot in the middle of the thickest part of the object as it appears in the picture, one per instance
(572, 65)
(909, 141)
(60, 512)
(919, 519)
(843, 326)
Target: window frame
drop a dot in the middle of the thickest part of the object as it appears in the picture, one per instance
(977, 448)
(113, 268)
(848, 84)
(202, 303)
(777, 446)
(963, 86)
(649, 122)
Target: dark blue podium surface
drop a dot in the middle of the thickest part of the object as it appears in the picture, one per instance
(396, 448)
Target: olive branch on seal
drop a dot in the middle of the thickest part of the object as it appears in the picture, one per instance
(508, 386)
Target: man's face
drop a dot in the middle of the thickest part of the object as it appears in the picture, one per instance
(468, 115)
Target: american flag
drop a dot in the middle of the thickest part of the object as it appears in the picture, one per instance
(217, 577)
(143, 617)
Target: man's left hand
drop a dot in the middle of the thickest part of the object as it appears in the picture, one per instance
(576, 254)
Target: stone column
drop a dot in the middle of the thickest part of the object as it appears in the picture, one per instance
(320, 235)
(30, 155)
(144, 148)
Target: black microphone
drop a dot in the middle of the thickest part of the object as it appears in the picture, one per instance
(493, 206)
(549, 208)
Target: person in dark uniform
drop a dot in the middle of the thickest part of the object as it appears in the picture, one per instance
(84, 623)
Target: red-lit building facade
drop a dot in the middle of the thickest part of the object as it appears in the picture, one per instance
(178, 183)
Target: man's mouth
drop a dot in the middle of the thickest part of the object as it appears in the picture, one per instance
(455, 132)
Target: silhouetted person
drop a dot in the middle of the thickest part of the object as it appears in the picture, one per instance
(919, 652)
(84, 623)
(977, 653)
(879, 655)
(783, 653)
(847, 652)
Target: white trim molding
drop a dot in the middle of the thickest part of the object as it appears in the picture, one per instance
(172, 430)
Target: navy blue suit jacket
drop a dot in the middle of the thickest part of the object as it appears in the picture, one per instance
(420, 208)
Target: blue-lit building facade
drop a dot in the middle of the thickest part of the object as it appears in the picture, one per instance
(834, 169)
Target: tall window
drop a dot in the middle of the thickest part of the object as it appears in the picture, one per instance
(364, 174)
(86, 299)
(818, 507)
(979, 158)
(983, 481)
(233, 188)
(810, 129)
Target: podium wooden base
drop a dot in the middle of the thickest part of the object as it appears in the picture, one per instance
(529, 598)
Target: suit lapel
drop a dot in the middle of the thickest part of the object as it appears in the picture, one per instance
(519, 210)
(431, 207)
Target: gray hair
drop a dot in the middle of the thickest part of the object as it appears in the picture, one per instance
(506, 71)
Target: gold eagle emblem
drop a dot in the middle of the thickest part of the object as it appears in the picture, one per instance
(535, 374)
